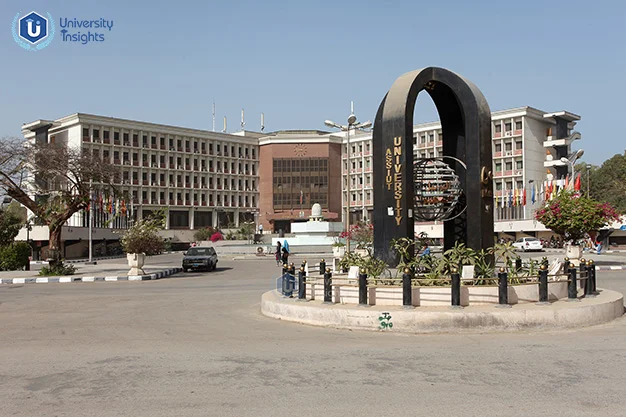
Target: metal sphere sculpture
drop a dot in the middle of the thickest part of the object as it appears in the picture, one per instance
(437, 190)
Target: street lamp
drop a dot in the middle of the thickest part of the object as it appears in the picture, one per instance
(570, 160)
(352, 124)
(588, 173)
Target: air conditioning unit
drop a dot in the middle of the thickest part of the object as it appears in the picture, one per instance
(126, 162)
(507, 134)
(155, 165)
(126, 182)
(509, 153)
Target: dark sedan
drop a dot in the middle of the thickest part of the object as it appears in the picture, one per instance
(200, 258)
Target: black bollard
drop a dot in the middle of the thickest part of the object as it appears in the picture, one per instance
(328, 281)
(407, 291)
(503, 294)
(565, 265)
(592, 271)
(285, 268)
(544, 261)
(572, 291)
(456, 288)
(322, 267)
(302, 284)
(292, 269)
(582, 275)
(518, 264)
(543, 285)
(363, 288)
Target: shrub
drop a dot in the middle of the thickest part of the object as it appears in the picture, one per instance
(143, 236)
(14, 256)
(58, 269)
(204, 234)
(216, 236)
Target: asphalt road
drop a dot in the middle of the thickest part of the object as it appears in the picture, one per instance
(197, 345)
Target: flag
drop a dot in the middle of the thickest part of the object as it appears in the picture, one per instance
(567, 181)
(577, 183)
(123, 208)
(516, 198)
(510, 198)
(532, 194)
(301, 196)
(524, 196)
(109, 205)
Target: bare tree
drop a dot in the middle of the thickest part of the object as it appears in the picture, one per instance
(53, 181)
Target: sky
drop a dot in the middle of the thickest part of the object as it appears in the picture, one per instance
(301, 63)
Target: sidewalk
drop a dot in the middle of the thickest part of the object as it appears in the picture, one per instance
(111, 271)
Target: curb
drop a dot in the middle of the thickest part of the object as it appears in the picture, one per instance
(611, 268)
(47, 280)
(607, 306)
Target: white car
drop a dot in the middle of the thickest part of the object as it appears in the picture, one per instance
(528, 244)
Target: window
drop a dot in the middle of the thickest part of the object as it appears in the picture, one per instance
(498, 128)
(498, 167)
(520, 185)
(498, 186)
(509, 166)
(518, 125)
(509, 185)
(508, 146)
(85, 132)
(518, 144)
(423, 139)
(507, 127)
(498, 147)
(519, 165)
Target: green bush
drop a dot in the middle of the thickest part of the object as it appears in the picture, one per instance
(204, 234)
(60, 269)
(14, 256)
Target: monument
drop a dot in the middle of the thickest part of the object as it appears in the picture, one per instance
(315, 232)
(456, 188)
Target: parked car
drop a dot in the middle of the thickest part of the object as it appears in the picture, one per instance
(528, 244)
(200, 257)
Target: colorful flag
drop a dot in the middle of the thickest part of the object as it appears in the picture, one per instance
(532, 194)
(577, 183)
(123, 208)
(510, 198)
(524, 196)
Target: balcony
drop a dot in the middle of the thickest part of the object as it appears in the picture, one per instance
(144, 182)
(86, 139)
(136, 163)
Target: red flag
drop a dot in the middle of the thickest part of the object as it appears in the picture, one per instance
(567, 181)
(524, 197)
(577, 183)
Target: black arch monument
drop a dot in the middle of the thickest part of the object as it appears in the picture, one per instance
(466, 128)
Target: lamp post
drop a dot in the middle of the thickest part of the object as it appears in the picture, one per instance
(352, 124)
(588, 173)
(572, 159)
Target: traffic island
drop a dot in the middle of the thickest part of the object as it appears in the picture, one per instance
(606, 306)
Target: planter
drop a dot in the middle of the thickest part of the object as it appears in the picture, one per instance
(573, 251)
(339, 251)
(135, 262)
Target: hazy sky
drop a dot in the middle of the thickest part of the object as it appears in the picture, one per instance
(303, 62)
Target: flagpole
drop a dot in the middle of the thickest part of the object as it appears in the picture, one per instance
(91, 213)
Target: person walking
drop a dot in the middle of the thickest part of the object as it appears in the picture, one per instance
(278, 253)
(285, 255)
(598, 246)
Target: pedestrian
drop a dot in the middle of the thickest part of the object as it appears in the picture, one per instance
(260, 229)
(598, 247)
(425, 250)
(278, 253)
(285, 255)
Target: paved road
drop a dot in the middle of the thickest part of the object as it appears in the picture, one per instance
(196, 345)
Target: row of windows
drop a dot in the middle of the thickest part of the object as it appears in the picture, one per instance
(180, 198)
(508, 185)
(297, 200)
(300, 165)
(173, 143)
(508, 166)
(508, 146)
(171, 162)
(508, 126)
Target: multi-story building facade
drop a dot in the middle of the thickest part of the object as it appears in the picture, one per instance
(202, 178)
(205, 178)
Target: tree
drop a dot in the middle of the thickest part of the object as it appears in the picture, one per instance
(143, 236)
(11, 221)
(53, 181)
(573, 216)
(608, 182)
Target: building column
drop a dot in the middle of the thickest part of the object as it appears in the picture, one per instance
(192, 215)
(167, 219)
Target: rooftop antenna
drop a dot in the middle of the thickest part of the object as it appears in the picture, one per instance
(214, 116)
(243, 124)
(224, 131)
(262, 121)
